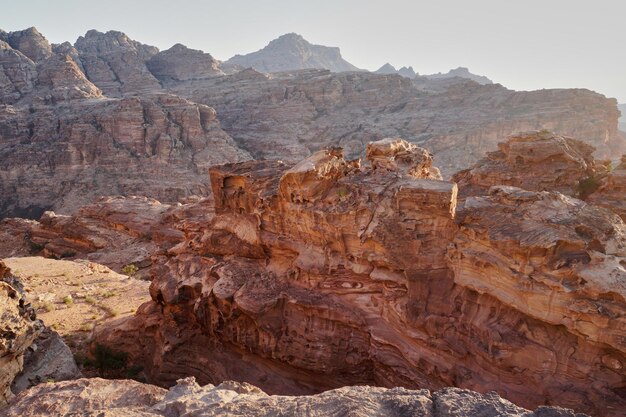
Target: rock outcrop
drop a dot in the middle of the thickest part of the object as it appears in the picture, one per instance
(48, 359)
(187, 398)
(534, 161)
(31, 43)
(544, 161)
(116, 64)
(622, 120)
(292, 52)
(329, 273)
(19, 328)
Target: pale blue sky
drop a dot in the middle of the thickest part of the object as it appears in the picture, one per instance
(524, 45)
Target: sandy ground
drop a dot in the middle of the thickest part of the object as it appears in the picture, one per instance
(73, 297)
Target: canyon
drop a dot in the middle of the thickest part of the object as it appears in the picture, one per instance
(112, 116)
(331, 272)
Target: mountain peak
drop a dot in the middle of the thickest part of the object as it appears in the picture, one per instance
(291, 52)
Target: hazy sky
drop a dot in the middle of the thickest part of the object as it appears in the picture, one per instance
(524, 45)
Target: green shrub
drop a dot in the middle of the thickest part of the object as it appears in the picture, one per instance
(586, 187)
(130, 269)
(106, 359)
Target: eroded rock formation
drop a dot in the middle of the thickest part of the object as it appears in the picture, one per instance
(534, 161)
(329, 273)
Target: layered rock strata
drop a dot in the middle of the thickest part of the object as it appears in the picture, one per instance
(129, 398)
(329, 273)
(288, 116)
(534, 161)
(65, 156)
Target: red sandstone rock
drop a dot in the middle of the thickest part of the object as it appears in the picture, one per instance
(328, 274)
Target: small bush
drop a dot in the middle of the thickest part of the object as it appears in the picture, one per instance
(106, 359)
(109, 310)
(87, 327)
(586, 187)
(130, 269)
(48, 306)
(68, 300)
(90, 300)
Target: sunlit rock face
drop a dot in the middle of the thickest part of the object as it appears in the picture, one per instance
(331, 272)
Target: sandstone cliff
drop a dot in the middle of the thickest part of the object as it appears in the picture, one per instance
(292, 52)
(129, 398)
(289, 116)
(65, 156)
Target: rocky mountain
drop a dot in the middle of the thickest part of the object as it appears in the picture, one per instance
(290, 116)
(622, 120)
(329, 272)
(110, 115)
(124, 398)
(461, 72)
(291, 52)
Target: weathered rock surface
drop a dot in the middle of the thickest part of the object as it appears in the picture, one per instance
(65, 156)
(543, 161)
(328, 273)
(187, 398)
(534, 161)
(47, 359)
(115, 231)
(611, 189)
(19, 327)
(31, 43)
(292, 52)
(116, 63)
(288, 116)
(622, 120)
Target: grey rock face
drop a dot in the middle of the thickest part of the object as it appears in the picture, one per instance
(47, 359)
(292, 52)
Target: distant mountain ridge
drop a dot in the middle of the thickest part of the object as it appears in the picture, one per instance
(409, 72)
(292, 52)
(462, 72)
